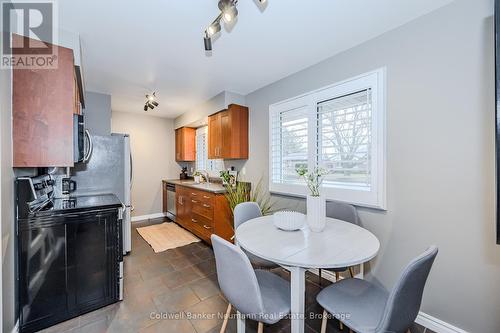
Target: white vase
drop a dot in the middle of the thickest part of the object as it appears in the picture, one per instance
(316, 213)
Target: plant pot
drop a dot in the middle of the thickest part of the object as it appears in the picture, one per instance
(316, 213)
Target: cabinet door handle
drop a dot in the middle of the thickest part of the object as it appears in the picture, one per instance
(207, 227)
(194, 201)
(194, 220)
(205, 197)
(194, 194)
(206, 206)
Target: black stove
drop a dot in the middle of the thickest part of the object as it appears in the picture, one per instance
(69, 253)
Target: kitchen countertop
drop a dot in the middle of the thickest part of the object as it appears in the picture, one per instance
(216, 188)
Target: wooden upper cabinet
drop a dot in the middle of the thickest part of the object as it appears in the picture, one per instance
(228, 133)
(214, 136)
(43, 103)
(185, 144)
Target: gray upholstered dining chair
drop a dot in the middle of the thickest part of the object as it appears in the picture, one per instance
(257, 294)
(367, 308)
(244, 212)
(345, 212)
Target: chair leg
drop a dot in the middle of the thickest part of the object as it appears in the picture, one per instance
(226, 318)
(260, 328)
(337, 276)
(319, 274)
(341, 326)
(351, 271)
(324, 321)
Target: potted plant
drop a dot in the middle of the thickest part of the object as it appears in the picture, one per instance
(243, 192)
(316, 203)
(224, 175)
(197, 176)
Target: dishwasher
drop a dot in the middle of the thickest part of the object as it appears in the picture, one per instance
(171, 201)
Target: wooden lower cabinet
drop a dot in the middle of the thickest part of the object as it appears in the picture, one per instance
(203, 213)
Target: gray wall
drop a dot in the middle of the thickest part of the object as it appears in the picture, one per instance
(7, 202)
(98, 113)
(440, 154)
(152, 142)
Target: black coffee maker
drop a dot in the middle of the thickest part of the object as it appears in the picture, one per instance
(184, 174)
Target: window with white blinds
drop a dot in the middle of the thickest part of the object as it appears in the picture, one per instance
(289, 144)
(340, 128)
(213, 167)
(202, 148)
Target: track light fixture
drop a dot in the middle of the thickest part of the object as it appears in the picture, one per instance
(150, 102)
(228, 14)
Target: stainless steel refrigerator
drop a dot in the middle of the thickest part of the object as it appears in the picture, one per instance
(109, 170)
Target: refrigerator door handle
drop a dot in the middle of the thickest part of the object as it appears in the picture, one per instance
(90, 146)
(131, 171)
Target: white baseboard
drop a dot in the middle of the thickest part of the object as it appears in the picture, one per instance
(147, 217)
(428, 321)
(437, 325)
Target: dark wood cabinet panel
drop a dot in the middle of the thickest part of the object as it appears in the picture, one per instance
(214, 136)
(185, 144)
(223, 226)
(228, 133)
(43, 103)
(204, 213)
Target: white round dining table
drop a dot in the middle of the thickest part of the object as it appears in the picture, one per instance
(340, 244)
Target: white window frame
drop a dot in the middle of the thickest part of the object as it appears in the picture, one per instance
(376, 196)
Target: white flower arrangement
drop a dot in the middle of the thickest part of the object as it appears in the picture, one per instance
(313, 179)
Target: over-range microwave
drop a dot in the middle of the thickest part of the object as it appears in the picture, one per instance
(82, 141)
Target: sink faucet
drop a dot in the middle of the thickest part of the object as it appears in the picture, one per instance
(207, 177)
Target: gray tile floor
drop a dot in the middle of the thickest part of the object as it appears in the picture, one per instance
(176, 291)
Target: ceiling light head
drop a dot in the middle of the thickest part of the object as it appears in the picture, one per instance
(229, 13)
(228, 9)
(213, 28)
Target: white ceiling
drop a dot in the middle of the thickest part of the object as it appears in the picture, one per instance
(131, 47)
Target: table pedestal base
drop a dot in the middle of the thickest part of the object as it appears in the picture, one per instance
(298, 292)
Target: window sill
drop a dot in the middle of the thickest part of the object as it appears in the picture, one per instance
(288, 195)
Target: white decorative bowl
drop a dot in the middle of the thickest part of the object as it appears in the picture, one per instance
(289, 220)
